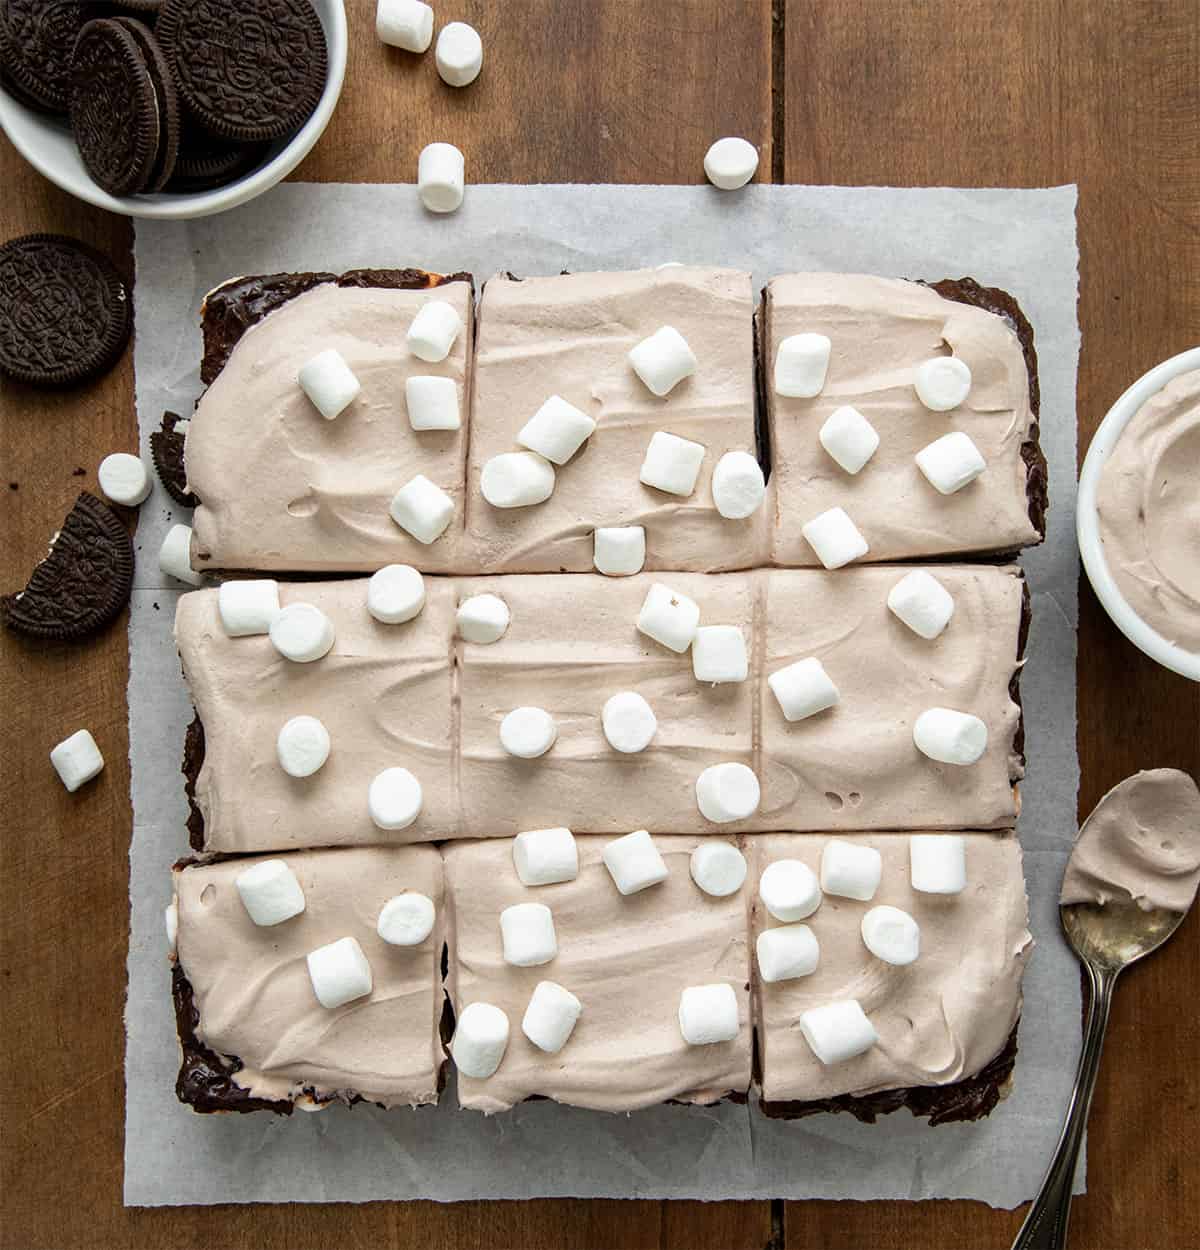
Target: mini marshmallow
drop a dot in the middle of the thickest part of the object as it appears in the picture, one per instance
(838, 1031)
(395, 594)
(942, 383)
(527, 932)
(422, 509)
(545, 856)
(891, 935)
(339, 973)
(730, 163)
(663, 360)
(669, 618)
(557, 430)
(329, 383)
(719, 654)
(302, 633)
(480, 1040)
(248, 607)
(433, 330)
(738, 485)
(803, 689)
(671, 464)
(801, 363)
(123, 478)
(835, 538)
(938, 862)
(717, 867)
(171, 922)
(528, 732)
(482, 619)
(459, 54)
(708, 1014)
(406, 24)
(406, 919)
(787, 952)
(789, 890)
(922, 603)
(550, 1017)
(77, 759)
(394, 799)
(619, 550)
(634, 863)
(175, 555)
(270, 892)
(302, 746)
(517, 479)
(441, 177)
(727, 792)
(951, 462)
(849, 438)
(629, 722)
(432, 403)
(950, 737)
(850, 870)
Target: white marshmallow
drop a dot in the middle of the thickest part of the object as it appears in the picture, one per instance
(248, 607)
(302, 633)
(406, 919)
(669, 618)
(406, 24)
(803, 689)
(339, 973)
(789, 890)
(527, 932)
(545, 856)
(719, 654)
(938, 863)
(550, 1017)
(730, 163)
(835, 538)
(801, 363)
(951, 462)
(850, 870)
(432, 403)
(482, 619)
(394, 799)
(441, 177)
(459, 54)
(717, 867)
(849, 438)
(517, 479)
(123, 478)
(950, 737)
(171, 922)
(422, 509)
(557, 430)
(634, 863)
(838, 1031)
(175, 555)
(891, 935)
(77, 759)
(329, 383)
(480, 1040)
(942, 383)
(433, 330)
(663, 360)
(787, 952)
(922, 603)
(620, 550)
(727, 792)
(671, 464)
(270, 892)
(708, 1014)
(629, 722)
(738, 485)
(302, 746)
(528, 732)
(395, 594)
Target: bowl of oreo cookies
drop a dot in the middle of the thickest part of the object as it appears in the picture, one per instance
(168, 108)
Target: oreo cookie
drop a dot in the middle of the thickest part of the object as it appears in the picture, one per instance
(36, 39)
(166, 450)
(167, 100)
(206, 162)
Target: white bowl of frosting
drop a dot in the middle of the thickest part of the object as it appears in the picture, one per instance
(1138, 513)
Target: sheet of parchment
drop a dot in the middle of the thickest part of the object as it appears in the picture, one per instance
(1021, 240)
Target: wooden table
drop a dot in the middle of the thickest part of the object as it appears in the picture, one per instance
(901, 92)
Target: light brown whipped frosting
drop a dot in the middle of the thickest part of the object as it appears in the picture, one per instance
(940, 1019)
(1148, 506)
(881, 329)
(255, 999)
(1142, 843)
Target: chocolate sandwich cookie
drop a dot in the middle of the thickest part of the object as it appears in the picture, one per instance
(206, 162)
(166, 99)
(82, 584)
(36, 39)
(166, 450)
(66, 313)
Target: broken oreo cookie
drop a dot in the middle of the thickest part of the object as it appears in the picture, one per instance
(166, 450)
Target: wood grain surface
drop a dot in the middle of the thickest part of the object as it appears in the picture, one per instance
(901, 92)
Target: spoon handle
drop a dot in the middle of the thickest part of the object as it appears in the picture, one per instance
(1045, 1226)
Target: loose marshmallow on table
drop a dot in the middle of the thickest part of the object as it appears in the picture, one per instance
(77, 759)
(738, 485)
(441, 177)
(517, 479)
(787, 952)
(629, 722)
(849, 438)
(406, 24)
(432, 403)
(527, 933)
(329, 383)
(302, 746)
(124, 479)
(459, 54)
(482, 619)
(719, 654)
(950, 737)
(951, 462)
(708, 1014)
(938, 863)
(550, 1018)
(422, 509)
(175, 555)
(942, 383)
(528, 732)
(394, 799)
(669, 618)
(671, 464)
(395, 594)
(545, 856)
(803, 689)
(406, 919)
(718, 868)
(557, 430)
(663, 360)
(634, 862)
(891, 935)
(302, 632)
(922, 603)
(620, 550)
(270, 892)
(171, 921)
(789, 890)
(248, 607)
(838, 1031)
(835, 538)
(480, 1040)
(339, 972)
(801, 364)
(850, 870)
(433, 330)
(730, 163)
(727, 792)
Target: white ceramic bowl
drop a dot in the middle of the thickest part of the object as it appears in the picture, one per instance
(1088, 526)
(46, 143)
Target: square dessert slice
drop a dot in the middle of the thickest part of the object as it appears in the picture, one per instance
(570, 337)
(626, 958)
(253, 1032)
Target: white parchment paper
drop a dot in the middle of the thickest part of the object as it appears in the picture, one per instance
(1022, 240)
